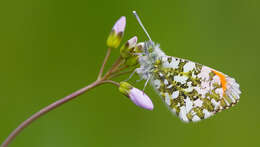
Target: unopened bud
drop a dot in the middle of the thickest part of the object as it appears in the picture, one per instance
(137, 96)
(131, 61)
(139, 47)
(125, 88)
(125, 50)
(117, 33)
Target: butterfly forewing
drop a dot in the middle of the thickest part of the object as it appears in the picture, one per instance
(191, 90)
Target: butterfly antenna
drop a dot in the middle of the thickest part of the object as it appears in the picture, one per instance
(141, 24)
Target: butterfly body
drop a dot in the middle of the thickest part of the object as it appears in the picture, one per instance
(191, 90)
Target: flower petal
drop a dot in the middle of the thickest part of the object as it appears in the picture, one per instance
(140, 99)
(120, 25)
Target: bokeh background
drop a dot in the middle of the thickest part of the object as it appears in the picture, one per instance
(50, 48)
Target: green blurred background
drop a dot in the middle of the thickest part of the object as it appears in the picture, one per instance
(50, 48)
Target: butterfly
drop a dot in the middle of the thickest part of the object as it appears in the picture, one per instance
(191, 90)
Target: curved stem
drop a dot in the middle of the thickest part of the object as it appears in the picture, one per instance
(104, 63)
(113, 68)
(112, 82)
(49, 108)
(122, 68)
(58, 103)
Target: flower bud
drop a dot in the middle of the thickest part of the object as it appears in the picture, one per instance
(137, 96)
(131, 61)
(125, 88)
(139, 47)
(117, 33)
(125, 50)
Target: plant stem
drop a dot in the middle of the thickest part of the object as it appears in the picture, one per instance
(49, 108)
(122, 68)
(113, 68)
(120, 73)
(104, 63)
(112, 82)
(99, 81)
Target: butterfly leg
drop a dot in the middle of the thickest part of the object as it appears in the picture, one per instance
(146, 82)
(131, 75)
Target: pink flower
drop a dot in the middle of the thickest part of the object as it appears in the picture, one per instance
(140, 99)
(117, 33)
(119, 26)
(127, 47)
(137, 96)
(132, 42)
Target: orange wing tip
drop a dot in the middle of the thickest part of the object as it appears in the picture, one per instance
(230, 88)
(222, 80)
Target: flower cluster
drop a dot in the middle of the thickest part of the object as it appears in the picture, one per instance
(128, 60)
(128, 54)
